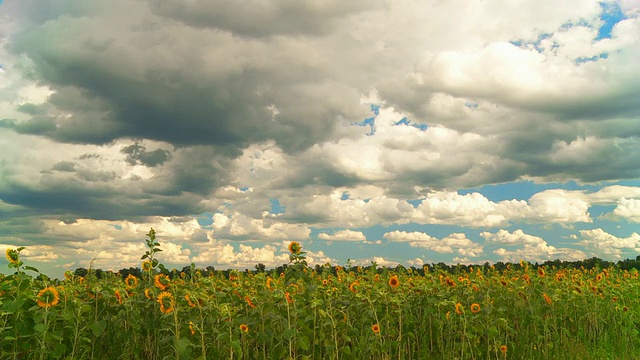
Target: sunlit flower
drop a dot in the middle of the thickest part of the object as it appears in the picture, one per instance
(48, 297)
(165, 299)
(547, 299)
(162, 282)
(189, 302)
(146, 266)
(375, 328)
(118, 297)
(475, 308)
(503, 349)
(269, 281)
(353, 286)
(192, 328)
(68, 275)
(244, 328)
(131, 281)
(541, 272)
(294, 247)
(526, 278)
(287, 296)
(393, 281)
(248, 300)
(475, 287)
(450, 282)
(459, 309)
(12, 255)
(325, 282)
(147, 293)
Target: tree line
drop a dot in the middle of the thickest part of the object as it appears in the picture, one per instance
(190, 270)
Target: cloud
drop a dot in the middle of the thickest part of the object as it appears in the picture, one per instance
(138, 154)
(529, 247)
(456, 242)
(241, 227)
(343, 235)
(610, 246)
(628, 209)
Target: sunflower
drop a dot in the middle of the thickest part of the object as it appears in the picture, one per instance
(162, 282)
(375, 328)
(146, 265)
(526, 278)
(12, 255)
(48, 297)
(325, 282)
(294, 247)
(131, 281)
(475, 308)
(547, 299)
(192, 328)
(541, 272)
(249, 302)
(244, 328)
(165, 299)
(459, 309)
(450, 282)
(393, 281)
(287, 295)
(353, 286)
(147, 293)
(118, 297)
(503, 349)
(188, 298)
(475, 287)
(269, 281)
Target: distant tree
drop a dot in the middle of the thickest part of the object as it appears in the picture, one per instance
(260, 267)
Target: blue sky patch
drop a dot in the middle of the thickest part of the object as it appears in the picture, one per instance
(610, 16)
(407, 122)
(276, 208)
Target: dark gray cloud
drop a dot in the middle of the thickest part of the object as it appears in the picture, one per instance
(263, 18)
(128, 76)
(138, 154)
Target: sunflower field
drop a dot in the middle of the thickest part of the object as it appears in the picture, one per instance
(521, 312)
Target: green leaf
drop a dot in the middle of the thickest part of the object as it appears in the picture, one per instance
(97, 328)
(31, 268)
(40, 327)
(237, 348)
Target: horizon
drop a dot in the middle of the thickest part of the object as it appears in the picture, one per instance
(400, 133)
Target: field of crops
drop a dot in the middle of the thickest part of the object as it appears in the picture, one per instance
(337, 313)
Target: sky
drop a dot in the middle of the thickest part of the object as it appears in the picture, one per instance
(395, 132)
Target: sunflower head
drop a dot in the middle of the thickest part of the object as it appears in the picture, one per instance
(162, 282)
(294, 247)
(146, 265)
(353, 286)
(375, 328)
(393, 281)
(131, 281)
(503, 349)
(12, 255)
(459, 309)
(475, 308)
(48, 297)
(165, 299)
(244, 328)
